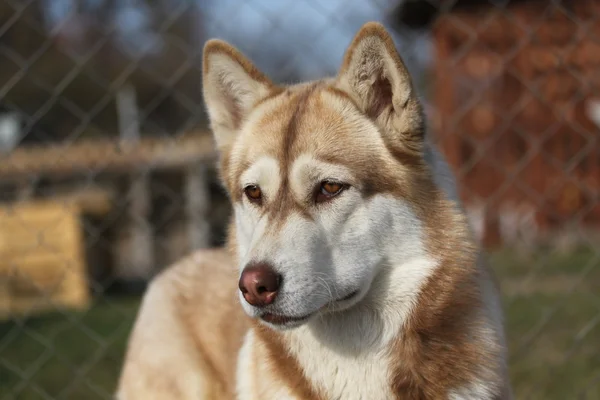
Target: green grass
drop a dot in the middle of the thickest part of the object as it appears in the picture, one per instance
(67, 355)
(552, 305)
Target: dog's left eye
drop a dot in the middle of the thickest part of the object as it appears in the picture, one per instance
(328, 190)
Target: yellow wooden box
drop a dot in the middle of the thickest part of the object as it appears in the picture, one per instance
(42, 262)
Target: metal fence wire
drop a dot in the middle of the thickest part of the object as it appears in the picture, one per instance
(106, 172)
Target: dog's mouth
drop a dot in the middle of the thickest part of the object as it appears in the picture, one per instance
(347, 297)
(281, 320)
(277, 319)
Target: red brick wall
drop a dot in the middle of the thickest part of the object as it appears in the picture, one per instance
(511, 94)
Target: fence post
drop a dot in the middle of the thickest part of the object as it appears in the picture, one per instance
(128, 116)
(142, 238)
(197, 198)
(141, 241)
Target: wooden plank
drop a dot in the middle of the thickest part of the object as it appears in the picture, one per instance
(97, 201)
(94, 200)
(105, 155)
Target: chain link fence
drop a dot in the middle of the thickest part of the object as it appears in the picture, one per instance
(106, 172)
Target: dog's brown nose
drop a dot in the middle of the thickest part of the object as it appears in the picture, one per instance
(259, 284)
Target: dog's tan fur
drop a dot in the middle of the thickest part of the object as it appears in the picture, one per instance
(192, 340)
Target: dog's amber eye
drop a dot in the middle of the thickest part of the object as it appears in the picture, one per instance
(331, 188)
(328, 190)
(253, 193)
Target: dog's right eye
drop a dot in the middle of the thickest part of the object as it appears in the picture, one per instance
(253, 193)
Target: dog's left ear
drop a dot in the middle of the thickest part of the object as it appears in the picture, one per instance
(375, 76)
(232, 85)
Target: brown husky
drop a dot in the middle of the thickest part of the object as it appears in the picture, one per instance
(354, 268)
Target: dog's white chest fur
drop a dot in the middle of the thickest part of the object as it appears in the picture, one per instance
(345, 376)
(334, 374)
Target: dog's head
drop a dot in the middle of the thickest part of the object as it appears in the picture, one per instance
(323, 176)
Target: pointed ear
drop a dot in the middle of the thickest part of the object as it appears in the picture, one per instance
(375, 76)
(231, 86)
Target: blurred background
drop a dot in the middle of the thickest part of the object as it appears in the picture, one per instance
(107, 177)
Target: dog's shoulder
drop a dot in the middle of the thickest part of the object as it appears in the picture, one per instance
(171, 333)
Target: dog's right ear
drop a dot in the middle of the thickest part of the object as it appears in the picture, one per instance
(231, 85)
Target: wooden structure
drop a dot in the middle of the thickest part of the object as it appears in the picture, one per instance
(42, 264)
(513, 95)
(122, 173)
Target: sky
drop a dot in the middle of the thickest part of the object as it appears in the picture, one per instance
(286, 38)
(312, 35)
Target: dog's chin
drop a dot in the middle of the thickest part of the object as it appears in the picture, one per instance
(281, 321)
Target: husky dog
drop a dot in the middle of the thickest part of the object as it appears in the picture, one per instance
(350, 271)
